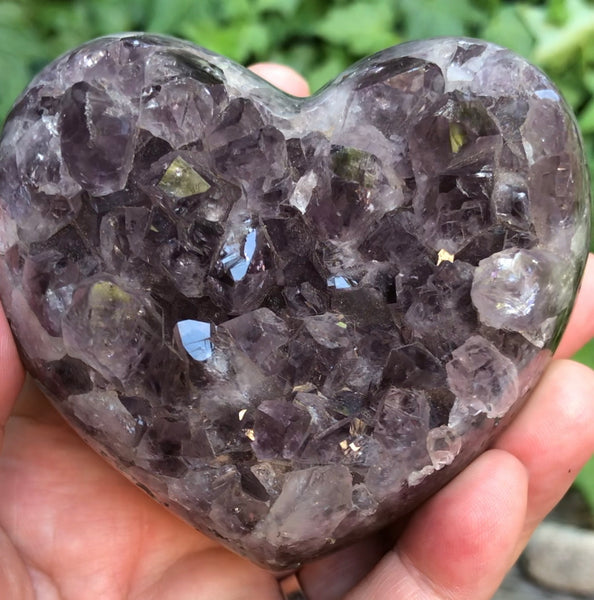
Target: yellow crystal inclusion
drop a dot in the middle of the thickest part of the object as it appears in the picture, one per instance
(444, 256)
(181, 180)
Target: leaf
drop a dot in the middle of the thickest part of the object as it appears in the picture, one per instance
(235, 9)
(557, 12)
(168, 15)
(572, 87)
(14, 77)
(586, 118)
(586, 354)
(109, 16)
(16, 38)
(285, 7)
(488, 6)
(431, 18)
(239, 41)
(361, 27)
(61, 26)
(588, 79)
(334, 64)
(11, 13)
(557, 45)
(507, 29)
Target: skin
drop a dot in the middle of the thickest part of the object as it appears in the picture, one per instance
(72, 528)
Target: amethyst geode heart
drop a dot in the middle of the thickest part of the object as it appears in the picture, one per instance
(290, 320)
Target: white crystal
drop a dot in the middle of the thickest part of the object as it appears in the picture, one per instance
(483, 381)
(443, 446)
(311, 506)
(522, 290)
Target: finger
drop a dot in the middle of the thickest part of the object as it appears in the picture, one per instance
(283, 77)
(461, 542)
(11, 369)
(33, 404)
(331, 577)
(553, 437)
(580, 328)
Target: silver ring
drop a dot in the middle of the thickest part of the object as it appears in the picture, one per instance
(291, 588)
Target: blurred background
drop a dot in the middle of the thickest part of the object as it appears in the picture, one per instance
(319, 38)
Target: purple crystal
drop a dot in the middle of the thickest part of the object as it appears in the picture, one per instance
(292, 320)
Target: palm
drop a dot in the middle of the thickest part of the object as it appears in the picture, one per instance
(86, 532)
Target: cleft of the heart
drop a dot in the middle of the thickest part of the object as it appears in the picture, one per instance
(290, 320)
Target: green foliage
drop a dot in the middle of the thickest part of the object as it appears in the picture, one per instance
(585, 479)
(360, 27)
(507, 28)
(585, 482)
(318, 37)
(431, 18)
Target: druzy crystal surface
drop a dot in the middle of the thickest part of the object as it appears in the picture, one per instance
(289, 320)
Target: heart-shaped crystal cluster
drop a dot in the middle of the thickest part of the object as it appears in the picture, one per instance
(289, 320)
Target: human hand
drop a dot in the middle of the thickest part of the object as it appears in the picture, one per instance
(71, 527)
